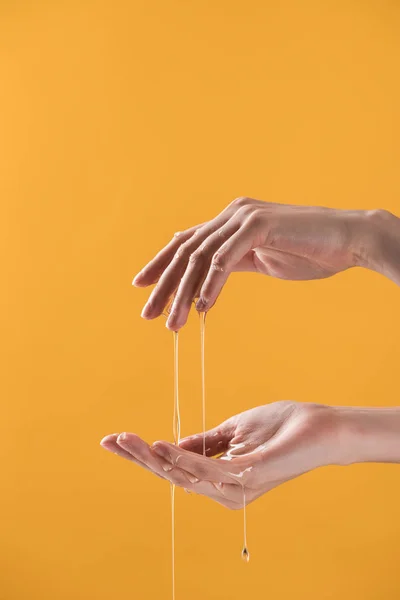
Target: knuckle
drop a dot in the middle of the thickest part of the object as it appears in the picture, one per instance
(220, 261)
(180, 236)
(255, 217)
(183, 251)
(198, 255)
(379, 215)
(245, 212)
(222, 232)
(240, 201)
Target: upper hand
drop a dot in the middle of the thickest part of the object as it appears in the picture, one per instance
(289, 242)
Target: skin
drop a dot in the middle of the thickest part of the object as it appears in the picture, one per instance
(266, 446)
(258, 449)
(288, 242)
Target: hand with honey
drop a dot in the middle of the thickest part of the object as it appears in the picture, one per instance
(288, 242)
(257, 450)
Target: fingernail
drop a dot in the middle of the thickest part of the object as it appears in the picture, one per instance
(201, 304)
(193, 479)
(121, 437)
(106, 438)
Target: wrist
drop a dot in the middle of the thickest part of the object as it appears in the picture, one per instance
(367, 435)
(377, 243)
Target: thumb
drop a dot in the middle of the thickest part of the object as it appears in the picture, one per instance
(215, 441)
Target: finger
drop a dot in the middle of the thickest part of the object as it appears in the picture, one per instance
(152, 271)
(172, 275)
(173, 475)
(196, 271)
(135, 448)
(203, 488)
(204, 468)
(138, 448)
(110, 443)
(224, 262)
(215, 440)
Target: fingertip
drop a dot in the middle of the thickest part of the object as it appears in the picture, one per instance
(171, 325)
(201, 305)
(159, 444)
(138, 277)
(189, 443)
(146, 312)
(185, 441)
(140, 283)
(175, 321)
(164, 445)
(110, 438)
(186, 446)
(129, 438)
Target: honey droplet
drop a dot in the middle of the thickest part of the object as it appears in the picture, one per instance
(245, 554)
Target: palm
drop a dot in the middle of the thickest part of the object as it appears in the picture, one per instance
(253, 451)
(251, 431)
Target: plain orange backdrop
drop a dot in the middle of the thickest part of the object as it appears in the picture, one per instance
(122, 122)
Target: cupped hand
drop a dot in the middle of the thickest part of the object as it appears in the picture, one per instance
(288, 242)
(254, 452)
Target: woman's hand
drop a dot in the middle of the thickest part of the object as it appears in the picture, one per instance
(289, 242)
(264, 447)
(255, 451)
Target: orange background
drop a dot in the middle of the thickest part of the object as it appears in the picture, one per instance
(122, 122)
